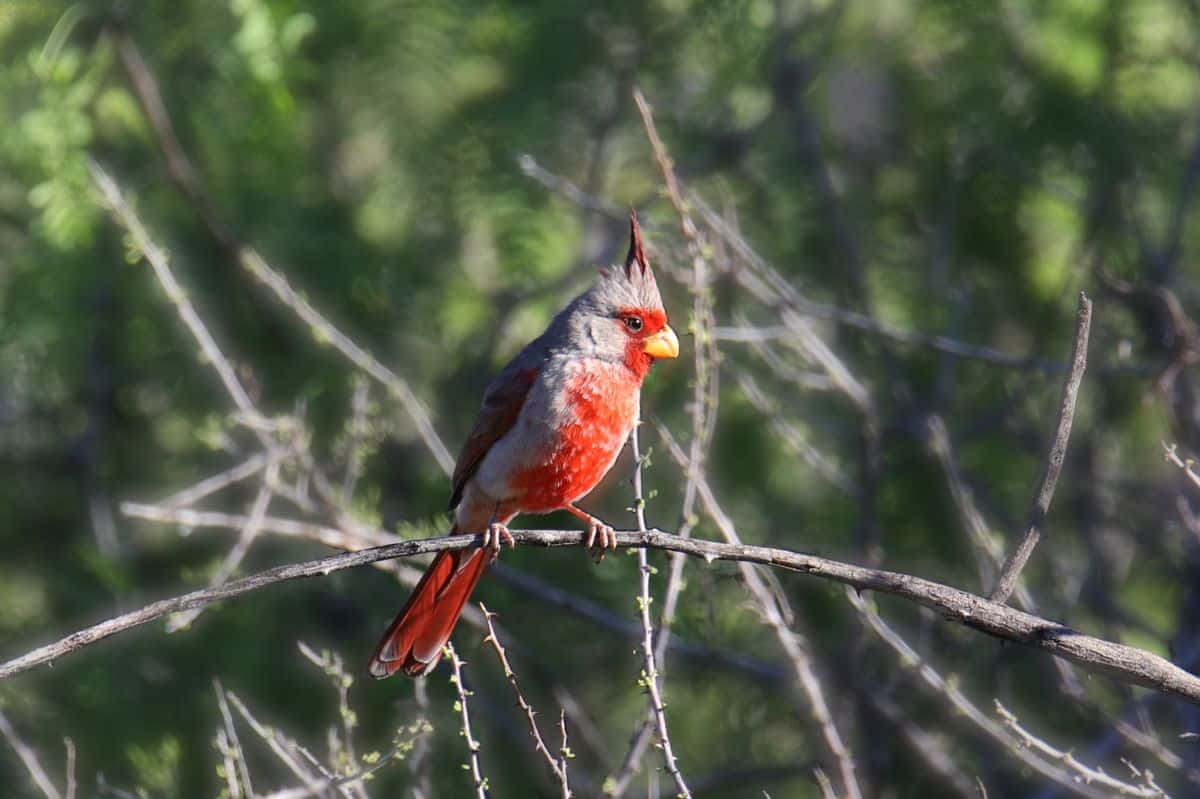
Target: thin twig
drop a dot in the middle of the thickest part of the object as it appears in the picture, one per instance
(703, 409)
(341, 750)
(29, 759)
(1054, 463)
(564, 753)
(69, 745)
(1118, 661)
(356, 434)
(324, 331)
(1088, 774)
(185, 177)
(228, 766)
(234, 557)
(289, 752)
(949, 690)
(211, 485)
(456, 679)
(159, 263)
(776, 611)
(539, 744)
(1188, 466)
(930, 748)
(418, 760)
(650, 677)
(560, 185)
(235, 746)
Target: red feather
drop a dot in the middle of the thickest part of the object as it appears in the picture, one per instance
(413, 643)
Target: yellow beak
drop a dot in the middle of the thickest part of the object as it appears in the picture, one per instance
(663, 344)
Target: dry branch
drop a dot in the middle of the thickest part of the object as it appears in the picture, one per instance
(777, 613)
(557, 767)
(1007, 581)
(477, 778)
(1089, 775)
(651, 679)
(1123, 663)
(29, 759)
(949, 690)
(186, 178)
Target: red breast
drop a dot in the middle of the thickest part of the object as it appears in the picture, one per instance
(602, 404)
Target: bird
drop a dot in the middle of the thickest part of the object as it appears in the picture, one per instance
(552, 424)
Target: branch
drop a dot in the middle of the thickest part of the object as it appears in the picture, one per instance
(477, 777)
(29, 759)
(1123, 663)
(544, 593)
(1188, 466)
(949, 689)
(651, 679)
(233, 751)
(185, 177)
(160, 263)
(1088, 774)
(557, 768)
(323, 331)
(1058, 452)
(705, 397)
(777, 613)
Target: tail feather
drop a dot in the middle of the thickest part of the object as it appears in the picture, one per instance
(413, 643)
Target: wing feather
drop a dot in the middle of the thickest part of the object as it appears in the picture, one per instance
(502, 405)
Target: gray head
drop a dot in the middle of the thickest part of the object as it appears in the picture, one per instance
(621, 317)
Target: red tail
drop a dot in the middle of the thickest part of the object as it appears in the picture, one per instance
(413, 643)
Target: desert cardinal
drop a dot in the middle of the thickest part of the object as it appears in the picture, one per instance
(552, 424)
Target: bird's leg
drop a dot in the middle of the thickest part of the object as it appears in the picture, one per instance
(497, 534)
(600, 536)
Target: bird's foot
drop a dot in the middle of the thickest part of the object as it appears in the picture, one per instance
(495, 536)
(600, 538)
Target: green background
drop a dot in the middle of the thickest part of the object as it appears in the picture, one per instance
(957, 168)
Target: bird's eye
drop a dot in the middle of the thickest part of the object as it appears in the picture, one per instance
(634, 323)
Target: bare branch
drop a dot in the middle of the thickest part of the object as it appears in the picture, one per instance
(228, 766)
(211, 485)
(324, 331)
(341, 748)
(949, 690)
(539, 744)
(930, 748)
(418, 761)
(235, 746)
(472, 745)
(777, 613)
(1088, 774)
(69, 745)
(560, 185)
(29, 759)
(185, 177)
(564, 752)
(233, 559)
(650, 675)
(1054, 463)
(1123, 663)
(1188, 466)
(157, 258)
(289, 753)
(705, 397)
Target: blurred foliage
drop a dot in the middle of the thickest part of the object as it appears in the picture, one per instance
(957, 168)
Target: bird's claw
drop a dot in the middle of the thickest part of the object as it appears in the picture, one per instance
(496, 536)
(600, 538)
